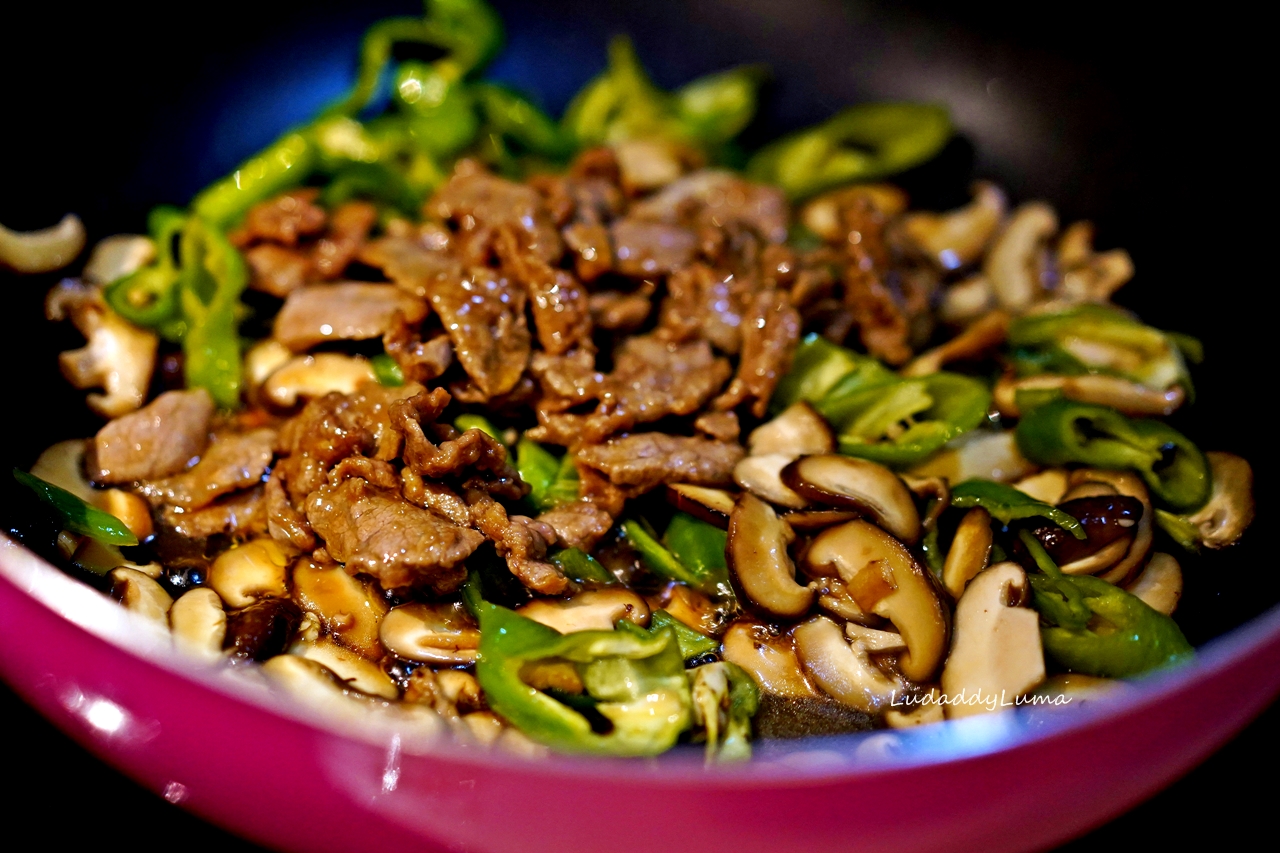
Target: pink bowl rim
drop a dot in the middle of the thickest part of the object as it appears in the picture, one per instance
(777, 763)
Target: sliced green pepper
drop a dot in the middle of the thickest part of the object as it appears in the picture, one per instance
(552, 482)
(440, 113)
(283, 164)
(1062, 432)
(1007, 504)
(698, 545)
(632, 680)
(1097, 628)
(76, 515)
(621, 103)
(818, 366)
(213, 277)
(935, 409)
(149, 296)
(862, 143)
(581, 567)
(387, 370)
(515, 117)
(693, 644)
(715, 108)
(725, 698)
(1098, 339)
(661, 561)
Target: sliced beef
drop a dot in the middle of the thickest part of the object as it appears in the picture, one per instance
(643, 248)
(277, 270)
(702, 302)
(593, 254)
(283, 219)
(520, 541)
(645, 460)
(480, 203)
(651, 380)
(473, 454)
(376, 532)
(616, 311)
(559, 301)
(240, 516)
(572, 377)
(722, 426)
(349, 227)
(580, 524)
(419, 360)
(718, 198)
(483, 314)
(412, 264)
(232, 461)
(159, 439)
(352, 311)
(769, 338)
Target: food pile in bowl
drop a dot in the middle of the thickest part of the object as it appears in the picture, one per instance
(603, 435)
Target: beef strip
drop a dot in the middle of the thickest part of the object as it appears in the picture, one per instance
(353, 311)
(232, 461)
(615, 311)
(419, 360)
(558, 300)
(277, 270)
(718, 198)
(159, 439)
(580, 524)
(520, 542)
(722, 426)
(374, 531)
(474, 453)
(651, 380)
(349, 227)
(240, 516)
(481, 203)
(593, 254)
(283, 219)
(643, 248)
(645, 460)
(702, 302)
(414, 265)
(770, 332)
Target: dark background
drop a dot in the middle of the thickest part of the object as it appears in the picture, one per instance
(1147, 122)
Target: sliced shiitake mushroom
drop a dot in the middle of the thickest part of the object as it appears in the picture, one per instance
(798, 431)
(762, 476)
(958, 237)
(261, 630)
(996, 650)
(842, 669)
(594, 610)
(252, 571)
(885, 579)
(1160, 584)
(436, 632)
(759, 565)
(979, 337)
(1124, 395)
(980, 454)
(858, 484)
(1222, 520)
(769, 657)
(352, 667)
(927, 708)
(711, 505)
(817, 519)
(1128, 484)
(199, 623)
(693, 608)
(969, 553)
(349, 608)
(1109, 522)
(1048, 486)
(141, 595)
(874, 639)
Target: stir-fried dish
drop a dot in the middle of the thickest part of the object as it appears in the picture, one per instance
(601, 435)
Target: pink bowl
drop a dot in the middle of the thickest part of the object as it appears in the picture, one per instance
(228, 749)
